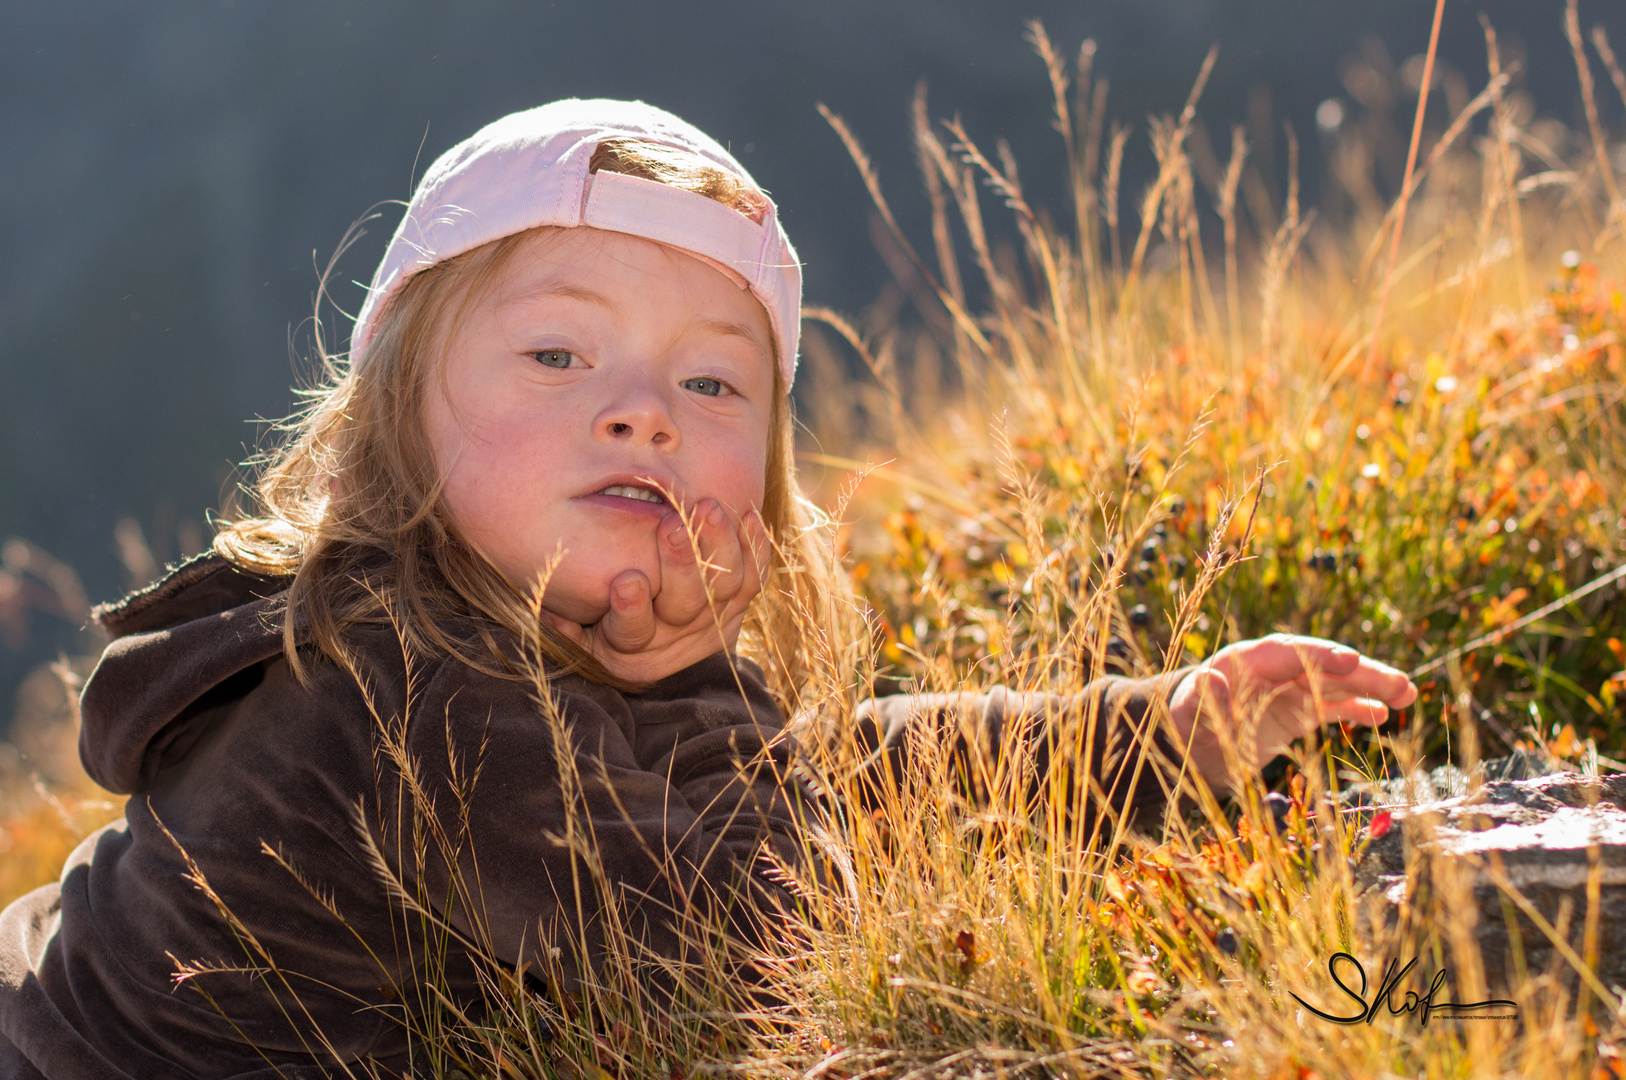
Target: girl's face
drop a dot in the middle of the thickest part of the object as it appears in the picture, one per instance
(598, 367)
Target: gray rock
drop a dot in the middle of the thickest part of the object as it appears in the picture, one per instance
(1449, 781)
(1461, 860)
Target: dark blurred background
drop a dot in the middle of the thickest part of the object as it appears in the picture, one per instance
(174, 173)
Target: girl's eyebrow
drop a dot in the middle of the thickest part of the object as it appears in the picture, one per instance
(569, 290)
(564, 289)
(732, 329)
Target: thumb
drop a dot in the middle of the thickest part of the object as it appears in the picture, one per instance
(1211, 729)
(1205, 693)
(629, 625)
(1213, 691)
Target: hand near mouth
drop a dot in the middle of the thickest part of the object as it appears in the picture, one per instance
(710, 570)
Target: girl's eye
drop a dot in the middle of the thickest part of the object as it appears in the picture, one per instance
(704, 385)
(554, 358)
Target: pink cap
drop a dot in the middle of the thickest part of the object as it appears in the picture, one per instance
(530, 169)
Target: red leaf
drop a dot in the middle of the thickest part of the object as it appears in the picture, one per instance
(966, 942)
(1380, 824)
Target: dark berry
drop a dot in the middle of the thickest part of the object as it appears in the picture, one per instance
(1226, 940)
(1139, 616)
(1279, 806)
(1116, 646)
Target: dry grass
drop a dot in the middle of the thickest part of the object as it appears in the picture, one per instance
(1132, 451)
(1111, 452)
(47, 803)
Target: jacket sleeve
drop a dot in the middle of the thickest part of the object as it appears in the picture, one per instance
(1101, 749)
(647, 812)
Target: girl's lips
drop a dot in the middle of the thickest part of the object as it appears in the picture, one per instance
(626, 505)
(633, 491)
(639, 494)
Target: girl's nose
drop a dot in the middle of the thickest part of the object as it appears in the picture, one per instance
(639, 416)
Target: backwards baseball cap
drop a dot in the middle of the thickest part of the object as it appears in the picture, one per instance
(531, 168)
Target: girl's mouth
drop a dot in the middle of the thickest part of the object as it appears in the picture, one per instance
(626, 491)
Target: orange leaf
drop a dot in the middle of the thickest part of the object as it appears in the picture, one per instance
(1116, 887)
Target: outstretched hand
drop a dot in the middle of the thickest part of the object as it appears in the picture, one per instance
(1263, 694)
(706, 585)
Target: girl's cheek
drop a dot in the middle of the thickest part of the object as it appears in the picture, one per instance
(746, 483)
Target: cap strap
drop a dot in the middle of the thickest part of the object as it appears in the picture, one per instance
(685, 219)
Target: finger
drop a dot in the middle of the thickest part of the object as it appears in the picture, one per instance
(570, 628)
(722, 555)
(1369, 679)
(1287, 717)
(1290, 716)
(1282, 718)
(629, 625)
(683, 587)
(755, 551)
(758, 553)
(1363, 711)
(1281, 658)
(755, 559)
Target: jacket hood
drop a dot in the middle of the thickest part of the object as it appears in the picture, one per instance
(192, 640)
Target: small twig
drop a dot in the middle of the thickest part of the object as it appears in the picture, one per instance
(1519, 624)
(1583, 70)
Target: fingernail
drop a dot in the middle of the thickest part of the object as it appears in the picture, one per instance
(715, 514)
(627, 592)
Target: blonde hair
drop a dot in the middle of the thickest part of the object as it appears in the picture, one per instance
(349, 504)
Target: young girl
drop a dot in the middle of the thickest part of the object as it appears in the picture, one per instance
(569, 381)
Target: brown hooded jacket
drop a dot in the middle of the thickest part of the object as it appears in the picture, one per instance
(301, 840)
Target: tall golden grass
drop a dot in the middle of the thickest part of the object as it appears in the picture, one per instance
(1132, 450)
(1084, 450)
